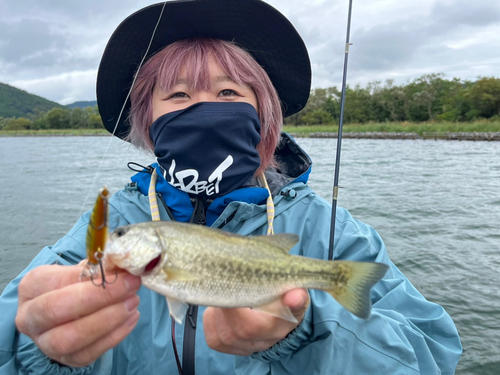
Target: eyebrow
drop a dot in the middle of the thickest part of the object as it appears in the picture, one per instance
(180, 81)
(183, 81)
(223, 79)
(228, 79)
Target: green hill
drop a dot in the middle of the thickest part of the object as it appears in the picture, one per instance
(82, 105)
(18, 103)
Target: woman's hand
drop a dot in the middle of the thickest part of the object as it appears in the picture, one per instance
(74, 322)
(244, 331)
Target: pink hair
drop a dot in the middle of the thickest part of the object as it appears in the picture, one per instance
(164, 67)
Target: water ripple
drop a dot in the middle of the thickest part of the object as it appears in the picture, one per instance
(436, 204)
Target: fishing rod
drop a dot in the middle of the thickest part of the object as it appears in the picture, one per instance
(339, 136)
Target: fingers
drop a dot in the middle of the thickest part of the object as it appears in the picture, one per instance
(47, 278)
(265, 326)
(92, 352)
(81, 342)
(244, 331)
(76, 335)
(220, 336)
(298, 301)
(71, 302)
(75, 322)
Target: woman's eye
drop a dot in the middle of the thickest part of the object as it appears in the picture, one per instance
(178, 95)
(228, 92)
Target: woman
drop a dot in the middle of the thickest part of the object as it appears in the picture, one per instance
(203, 103)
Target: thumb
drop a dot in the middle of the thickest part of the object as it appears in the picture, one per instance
(298, 301)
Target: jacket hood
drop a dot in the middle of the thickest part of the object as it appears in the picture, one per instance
(294, 165)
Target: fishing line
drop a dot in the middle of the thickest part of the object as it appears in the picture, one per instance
(339, 137)
(122, 109)
(82, 209)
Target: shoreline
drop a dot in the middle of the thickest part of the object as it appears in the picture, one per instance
(449, 136)
(55, 135)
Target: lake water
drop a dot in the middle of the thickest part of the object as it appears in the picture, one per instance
(436, 204)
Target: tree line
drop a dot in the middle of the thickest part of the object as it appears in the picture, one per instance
(56, 118)
(428, 98)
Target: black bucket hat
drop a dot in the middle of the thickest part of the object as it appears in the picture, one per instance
(252, 24)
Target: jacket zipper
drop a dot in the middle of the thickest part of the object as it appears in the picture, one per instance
(189, 344)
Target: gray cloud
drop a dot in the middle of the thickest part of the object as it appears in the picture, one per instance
(85, 12)
(52, 48)
(382, 47)
(405, 48)
(465, 12)
(27, 38)
(33, 48)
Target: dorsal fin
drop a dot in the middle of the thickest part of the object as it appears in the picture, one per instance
(281, 242)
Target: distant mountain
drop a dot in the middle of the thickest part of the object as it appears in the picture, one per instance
(15, 102)
(82, 104)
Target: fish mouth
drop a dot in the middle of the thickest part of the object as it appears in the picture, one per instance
(119, 253)
(152, 265)
(121, 250)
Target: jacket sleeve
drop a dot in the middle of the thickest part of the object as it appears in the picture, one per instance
(405, 334)
(18, 353)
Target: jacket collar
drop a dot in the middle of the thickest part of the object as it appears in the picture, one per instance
(294, 166)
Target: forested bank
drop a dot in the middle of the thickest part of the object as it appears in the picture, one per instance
(56, 118)
(424, 104)
(430, 98)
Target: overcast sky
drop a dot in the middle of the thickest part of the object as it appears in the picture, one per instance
(52, 48)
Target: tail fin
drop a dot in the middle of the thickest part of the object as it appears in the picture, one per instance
(352, 287)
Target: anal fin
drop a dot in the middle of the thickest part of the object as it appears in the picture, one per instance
(278, 309)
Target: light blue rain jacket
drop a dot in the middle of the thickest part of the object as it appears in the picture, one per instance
(406, 334)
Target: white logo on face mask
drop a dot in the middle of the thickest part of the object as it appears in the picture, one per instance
(210, 187)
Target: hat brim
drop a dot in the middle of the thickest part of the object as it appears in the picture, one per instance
(253, 24)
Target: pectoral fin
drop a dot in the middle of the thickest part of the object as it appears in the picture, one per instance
(178, 274)
(277, 308)
(177, 309)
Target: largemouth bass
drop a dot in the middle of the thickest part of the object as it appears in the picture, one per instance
(203, 266)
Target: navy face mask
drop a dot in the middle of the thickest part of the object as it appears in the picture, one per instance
(208, 149)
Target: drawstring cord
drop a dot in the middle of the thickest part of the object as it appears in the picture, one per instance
(155, 213)
(153, 202)
(269, 205)
(132, 166)
(155, 216)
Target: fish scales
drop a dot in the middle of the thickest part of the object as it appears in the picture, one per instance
(205, 266)
(239, 272)
(230, 277)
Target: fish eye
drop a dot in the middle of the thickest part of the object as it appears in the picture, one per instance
(120, 232)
